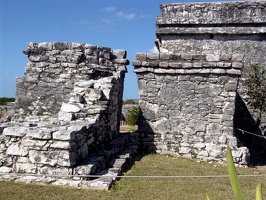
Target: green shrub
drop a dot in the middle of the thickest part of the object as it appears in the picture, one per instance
(254, 78)
(4, 100)
(132, 116)
(129, 101)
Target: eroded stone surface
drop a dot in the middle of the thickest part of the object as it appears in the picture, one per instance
(188, 90)
(68, 107)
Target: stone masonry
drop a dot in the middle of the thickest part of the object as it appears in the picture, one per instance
(216, 28)
(188, 91)
(68, 109)
(188, 101)
(68, 104)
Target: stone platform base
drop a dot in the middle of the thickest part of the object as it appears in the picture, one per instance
(98, 171)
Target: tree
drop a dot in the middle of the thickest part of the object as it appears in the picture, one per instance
(132, 116)
(129, 101)
(4, 100)
(254, 78)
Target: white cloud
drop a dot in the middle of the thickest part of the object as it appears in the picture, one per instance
(4, 71)
(154, 50)
(127, 16)
(121, 14)
(107, 21)
(109, 9)
(82, 22)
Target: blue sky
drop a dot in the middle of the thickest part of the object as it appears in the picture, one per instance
(118, 24)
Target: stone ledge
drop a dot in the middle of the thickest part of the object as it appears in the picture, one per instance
(211, 30)
(163, 56)
(188, 71)
(188, 63)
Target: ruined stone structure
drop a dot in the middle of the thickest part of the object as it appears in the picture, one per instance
(188, 90)
(68, 104)
(68, 109)
(71, 78)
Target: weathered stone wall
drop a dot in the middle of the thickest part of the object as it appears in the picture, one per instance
(53, 70)
(188, 102)
(187, 94)
(68, 106)
(222, 28)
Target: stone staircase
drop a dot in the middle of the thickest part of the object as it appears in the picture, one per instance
(113, 160)
(98, 171)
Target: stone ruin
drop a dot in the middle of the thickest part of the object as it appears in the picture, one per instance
(68, 104)
(68, 109)
(190, 96)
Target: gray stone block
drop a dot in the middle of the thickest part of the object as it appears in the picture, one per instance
(153, 56)
(213, 57)
(141, 56)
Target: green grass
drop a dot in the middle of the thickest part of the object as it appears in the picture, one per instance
(143, 188)
(128, 128)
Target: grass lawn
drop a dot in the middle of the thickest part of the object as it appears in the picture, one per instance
(128, 128)
(149, 188)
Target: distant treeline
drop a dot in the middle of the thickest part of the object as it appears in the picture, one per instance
(131, 101)
(4, 100)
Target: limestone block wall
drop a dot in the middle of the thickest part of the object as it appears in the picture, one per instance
(45, 150)
(222, 28)
(187, 103)
(227, 29)
(68, 106)
(54, 68)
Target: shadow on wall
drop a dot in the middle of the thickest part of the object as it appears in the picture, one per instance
(146, 135)
(243, 120)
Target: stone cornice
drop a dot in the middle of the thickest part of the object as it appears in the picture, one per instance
(188, 63)
(241, 30)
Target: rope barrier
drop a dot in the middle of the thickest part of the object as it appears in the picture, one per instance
(243, 132)
(119, 176)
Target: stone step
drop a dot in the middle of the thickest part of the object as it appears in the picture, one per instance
(118, 164)
(112, 161)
